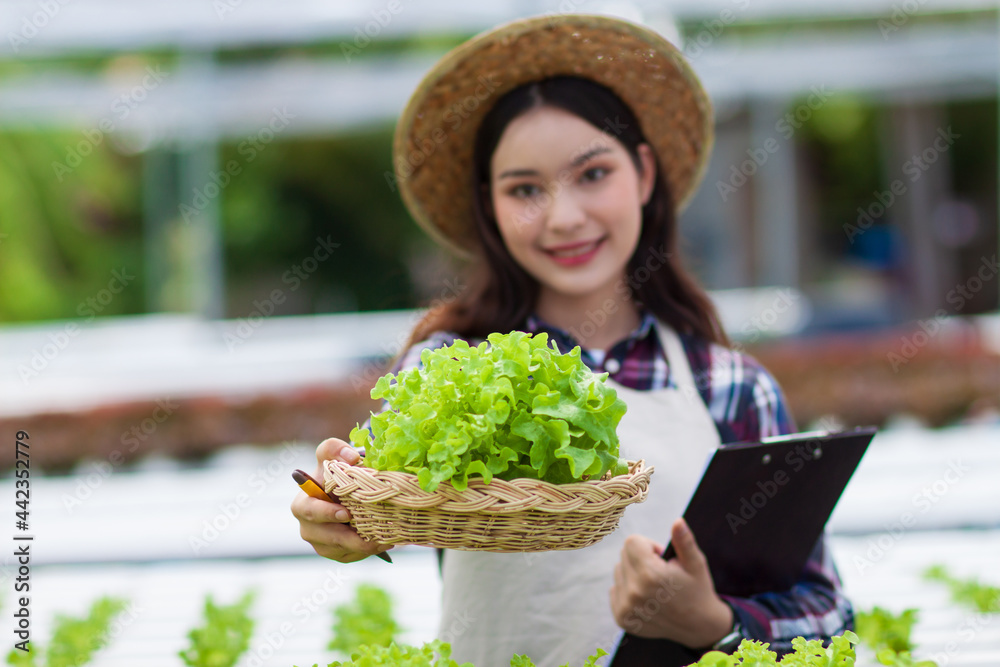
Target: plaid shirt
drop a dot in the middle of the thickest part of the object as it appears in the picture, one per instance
(745, 403)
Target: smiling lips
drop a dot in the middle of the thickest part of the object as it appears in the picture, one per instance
(574, 253)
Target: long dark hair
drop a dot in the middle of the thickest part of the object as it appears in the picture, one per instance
(501, 294)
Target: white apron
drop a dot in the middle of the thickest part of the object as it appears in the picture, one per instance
(554, 606)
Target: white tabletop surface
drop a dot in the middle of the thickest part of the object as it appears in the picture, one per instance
(164, 536)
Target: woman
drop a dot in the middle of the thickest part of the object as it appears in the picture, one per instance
(555, 153)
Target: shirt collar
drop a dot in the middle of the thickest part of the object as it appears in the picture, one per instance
(566, 341)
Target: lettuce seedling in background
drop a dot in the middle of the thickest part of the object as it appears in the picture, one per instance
(967, 592)
(74, 640)
(223, 638)
(880, 628)
(512, 407)
(365, 620)
(525, 661)
(431, 654)
(890, 658)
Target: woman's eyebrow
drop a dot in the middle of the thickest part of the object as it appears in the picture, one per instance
(517, 172)
(580, 159)
(577, 161)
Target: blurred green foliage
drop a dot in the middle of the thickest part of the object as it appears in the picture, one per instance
(224, 636)
(295, 192)
(844, 146)
(879, 628)
(970, 592)
(367, 619)
(74, 639)
(62, 234)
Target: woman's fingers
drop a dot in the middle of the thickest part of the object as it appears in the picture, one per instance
(313, 510)
(324, 526)
(642, 556)
(339, 542)
(335, 448)
(689, 555)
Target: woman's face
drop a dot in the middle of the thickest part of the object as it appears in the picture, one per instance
(568, 201)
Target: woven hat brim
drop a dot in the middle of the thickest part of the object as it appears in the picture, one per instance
(435, 135)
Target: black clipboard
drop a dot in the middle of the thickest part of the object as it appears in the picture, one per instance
(757, 514)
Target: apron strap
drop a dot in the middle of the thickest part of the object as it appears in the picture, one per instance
(679, 368)
(633, 651)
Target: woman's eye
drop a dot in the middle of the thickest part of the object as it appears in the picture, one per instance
(524, 191)
(594, 174)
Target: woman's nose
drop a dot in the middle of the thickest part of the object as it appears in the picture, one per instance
(565, 212)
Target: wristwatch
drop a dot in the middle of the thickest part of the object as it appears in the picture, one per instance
(731, 641)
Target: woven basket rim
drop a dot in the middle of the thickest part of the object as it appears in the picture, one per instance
(638, 473)
(502, 516)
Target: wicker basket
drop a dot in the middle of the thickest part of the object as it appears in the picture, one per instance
(503, 516)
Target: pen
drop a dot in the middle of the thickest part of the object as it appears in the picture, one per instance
(314, 490)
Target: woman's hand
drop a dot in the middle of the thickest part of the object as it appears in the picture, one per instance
(323, 524)
(673, 599)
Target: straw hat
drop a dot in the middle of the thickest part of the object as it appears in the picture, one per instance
(433, 144)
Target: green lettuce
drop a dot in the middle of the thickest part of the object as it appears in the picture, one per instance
(880, 628)
(432, 654)
(365, 620)
(806, 653)
(511, 407)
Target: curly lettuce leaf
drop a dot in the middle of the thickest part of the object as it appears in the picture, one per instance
(880, 628)
(807, 653)
(510, 407)
(432, 654)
